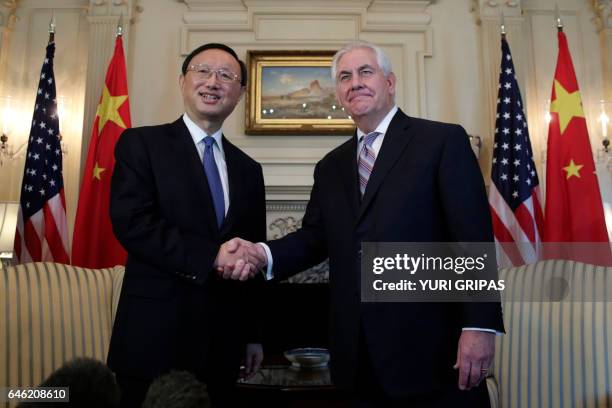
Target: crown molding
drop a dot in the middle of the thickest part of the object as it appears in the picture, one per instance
(241, 12)
(492, 9)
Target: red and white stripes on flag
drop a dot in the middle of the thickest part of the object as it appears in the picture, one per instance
(516, 210)
(517, 233)
(44, 237)
(42, 232)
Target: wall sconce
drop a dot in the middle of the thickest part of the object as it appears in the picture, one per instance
(9, 117)
(547, 115)
(604, 122)
(604, 154)
(6, 117)
(63, 113)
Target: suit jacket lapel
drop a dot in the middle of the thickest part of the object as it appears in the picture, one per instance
(235, 182)
(396, 140)
(347, 169)
(195, 169)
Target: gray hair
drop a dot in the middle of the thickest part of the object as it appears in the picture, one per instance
(381, 57)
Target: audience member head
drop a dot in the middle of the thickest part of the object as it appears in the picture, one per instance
(177, 389)
(90, 384)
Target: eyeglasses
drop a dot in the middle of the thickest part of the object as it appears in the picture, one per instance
(203, 72)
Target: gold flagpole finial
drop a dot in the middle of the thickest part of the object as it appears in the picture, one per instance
(558, 17)
(503, 24)
(120, 26)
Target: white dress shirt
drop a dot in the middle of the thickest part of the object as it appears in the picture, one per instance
(198, 135)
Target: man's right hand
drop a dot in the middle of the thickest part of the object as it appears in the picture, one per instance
(239, 259)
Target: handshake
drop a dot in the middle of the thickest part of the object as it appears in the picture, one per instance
(239, 259)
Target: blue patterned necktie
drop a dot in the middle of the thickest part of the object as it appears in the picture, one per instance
(367, 157)
(214, 180)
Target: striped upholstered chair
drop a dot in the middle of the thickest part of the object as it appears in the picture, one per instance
(556, 353)
(51, 313)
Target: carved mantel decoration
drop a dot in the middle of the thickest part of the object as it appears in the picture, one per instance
(8, 16)
(280, 227)
(603, 14)
(7, 13)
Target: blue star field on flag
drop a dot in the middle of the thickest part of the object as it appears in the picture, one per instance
(42, 177)
(513, 169)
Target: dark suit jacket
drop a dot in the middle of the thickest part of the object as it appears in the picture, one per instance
(425, 187)
(174, 311)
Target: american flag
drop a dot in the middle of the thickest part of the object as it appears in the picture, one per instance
(514, 191)
(42, 234)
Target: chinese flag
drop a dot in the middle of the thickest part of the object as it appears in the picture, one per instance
(574, 211)
(94, 244)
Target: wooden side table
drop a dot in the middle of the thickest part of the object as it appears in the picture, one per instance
(282, 386)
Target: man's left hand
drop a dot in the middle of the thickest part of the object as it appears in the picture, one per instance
(474, 356)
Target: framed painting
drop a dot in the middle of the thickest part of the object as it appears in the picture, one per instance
(293, 93)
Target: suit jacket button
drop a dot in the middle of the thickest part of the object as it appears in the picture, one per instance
(193, 277)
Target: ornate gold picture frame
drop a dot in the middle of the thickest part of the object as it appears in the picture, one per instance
(292, 93)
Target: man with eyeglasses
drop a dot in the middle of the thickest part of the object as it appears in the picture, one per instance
(398, 179)
(180, 190)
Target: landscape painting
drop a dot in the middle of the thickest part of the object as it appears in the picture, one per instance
(299, 93)
(292, 92)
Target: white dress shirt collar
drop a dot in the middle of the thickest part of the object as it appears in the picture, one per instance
(198, 134)
(382, 126)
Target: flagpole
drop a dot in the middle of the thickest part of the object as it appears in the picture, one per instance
(119, 31)
(503, 25)
(558, 18)
(52, 27)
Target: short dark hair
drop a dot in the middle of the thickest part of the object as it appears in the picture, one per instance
(177, 389)
(217, 46)
(90, 384)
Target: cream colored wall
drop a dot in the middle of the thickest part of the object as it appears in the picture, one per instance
(445, 54)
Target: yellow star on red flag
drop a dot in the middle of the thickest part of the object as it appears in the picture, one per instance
(108, 109)
(567, 105)
(572, 169)
(97, 171)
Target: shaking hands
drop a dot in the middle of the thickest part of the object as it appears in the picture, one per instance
(239, 259)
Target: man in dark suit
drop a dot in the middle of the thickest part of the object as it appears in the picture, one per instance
(400, 179)
(180, 190)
